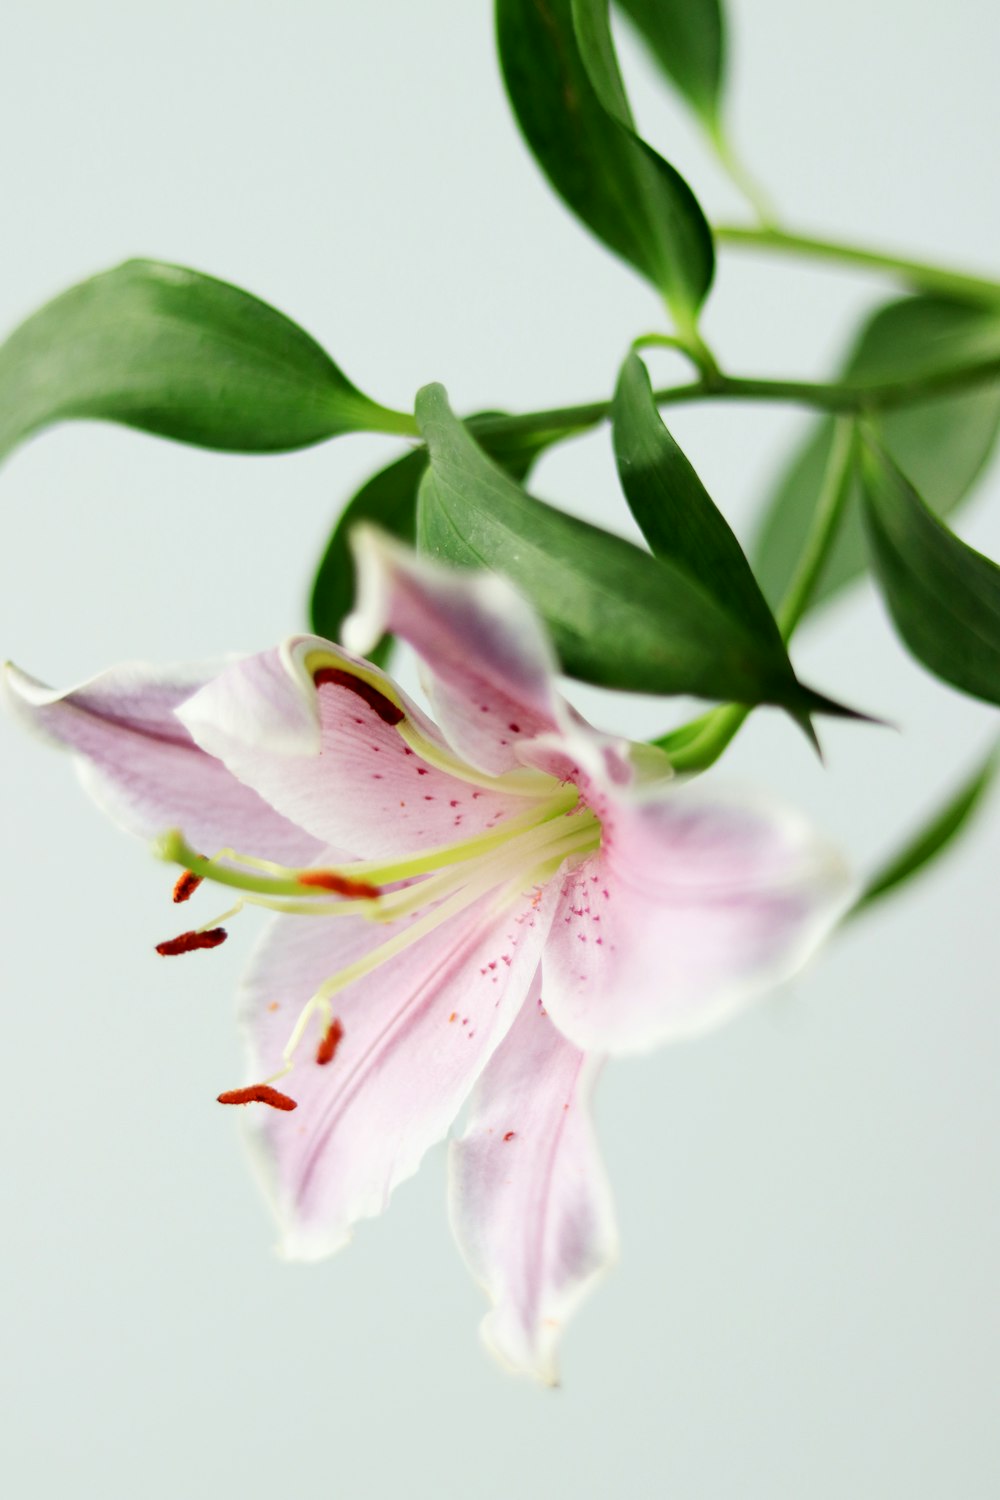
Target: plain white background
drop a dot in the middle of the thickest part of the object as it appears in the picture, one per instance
(806, 1300)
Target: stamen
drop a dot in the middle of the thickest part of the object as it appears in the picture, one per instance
(524, 781)
(186, 886)
(258, 1093)
(329, 880)
(285, 881)
(329, 1042)
(549, 843)
(174, 848)
(387, 711)
(492, 873)
(187, 942)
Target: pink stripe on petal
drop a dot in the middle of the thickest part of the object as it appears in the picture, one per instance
(530, 1205)
(141, 765)
(415, 1035)
(693, 906)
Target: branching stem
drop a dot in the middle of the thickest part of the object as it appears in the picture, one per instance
(914, 273)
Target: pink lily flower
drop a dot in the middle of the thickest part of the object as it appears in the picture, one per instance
(499, 902)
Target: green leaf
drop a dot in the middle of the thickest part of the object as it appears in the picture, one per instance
(687, 39)
(389, 500)
(943, 596)
(679, 519)
(618, 616)
(674, 511)
(943, 445)
(180, 354)
(933, 838)
(565, 88)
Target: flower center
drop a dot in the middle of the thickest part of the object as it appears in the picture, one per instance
(422, 890)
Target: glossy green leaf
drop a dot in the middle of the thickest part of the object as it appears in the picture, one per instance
(389, 500)
(674, 511)
(179, 354)
(943, 596)
(564, 85)
(618, 616)
(943, 445)
(933, 838)
(687, 39)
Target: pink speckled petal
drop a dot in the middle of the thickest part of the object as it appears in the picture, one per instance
(530, 1205)
(489, 668)
(416, 1034)
(692, 906)
(331, 757)
(141, 765)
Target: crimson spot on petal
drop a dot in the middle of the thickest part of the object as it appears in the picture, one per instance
(258, 1093)
(383, 706)
(510, 1135)
(187, 942)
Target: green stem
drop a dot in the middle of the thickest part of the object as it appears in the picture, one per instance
(696, 746)
(715, 730)
(915, 273)
(671, 341)
(741, 178)
(842, 397)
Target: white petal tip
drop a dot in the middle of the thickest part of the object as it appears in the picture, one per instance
(304, 1248)
(519, 1357)
(373, 557)
(24, 688)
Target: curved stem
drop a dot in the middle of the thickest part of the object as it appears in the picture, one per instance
(716, 729)
(704, 359)
(672, 341)
(915, 273)
(742, 179)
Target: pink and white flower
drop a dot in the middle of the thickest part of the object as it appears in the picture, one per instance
(499, 902)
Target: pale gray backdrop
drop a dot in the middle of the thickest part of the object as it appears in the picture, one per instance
(806, 1301)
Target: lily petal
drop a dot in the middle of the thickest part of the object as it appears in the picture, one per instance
(530, 1205)
(416, 1033)
(489, 668)
(141, 765)
(692, 906)
(335, 745)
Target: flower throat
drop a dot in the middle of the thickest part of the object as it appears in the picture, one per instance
(424, 889)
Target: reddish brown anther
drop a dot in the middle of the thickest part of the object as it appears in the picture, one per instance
(186, 886)
(327, 880)
(258, 1093)
(383, 706)
(187, 942)
(339, 884)
(329, 1042)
